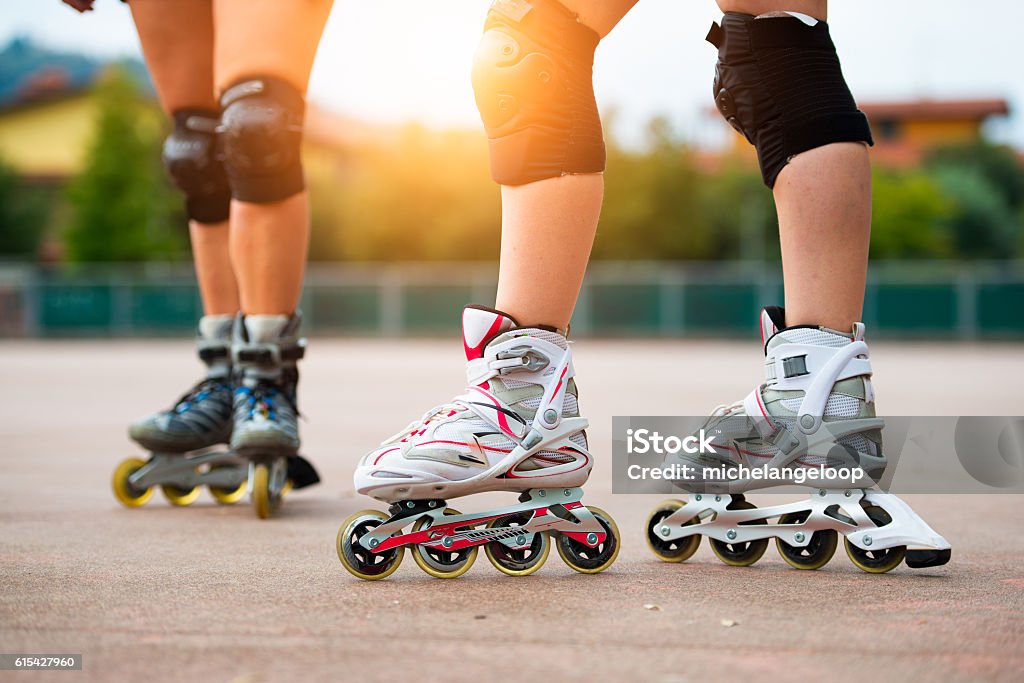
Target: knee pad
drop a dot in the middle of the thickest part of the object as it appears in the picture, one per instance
(191, 158)
(779, 83)
(532, 76)
(261, 136)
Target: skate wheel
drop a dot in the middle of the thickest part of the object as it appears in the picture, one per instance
(742, 554)
(123, 489)
(587, 560)
(876, 561)
(179, 496)
(818, 551)
(517, 562)
(263, 499)
(357, 560)
(442, 564)
(677, 550)
(228, 496)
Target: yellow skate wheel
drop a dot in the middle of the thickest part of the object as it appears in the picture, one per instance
(818, 551)
(228, 496)
(262, 501)
(129, 495)
(587, 560)
(180, 496)
(678, 550)
(741, 554)
(442, 564)
(876, 561)
(356, 559)
(517, 562)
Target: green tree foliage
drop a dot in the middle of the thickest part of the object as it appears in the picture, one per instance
(999, 165)
(24, 213)
(981, 223)
(426, 195)
(123, 206)
(658, 186)
(908, 217)
(423, 195)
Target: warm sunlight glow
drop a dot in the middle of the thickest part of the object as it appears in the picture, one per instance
(395, 61)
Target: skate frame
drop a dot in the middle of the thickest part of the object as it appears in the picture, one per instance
(186, 471)
(839, 510)
(445, 532)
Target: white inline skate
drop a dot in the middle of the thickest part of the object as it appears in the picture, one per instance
(516, 428)
(814, 413)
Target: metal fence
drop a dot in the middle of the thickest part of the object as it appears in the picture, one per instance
(976, 300)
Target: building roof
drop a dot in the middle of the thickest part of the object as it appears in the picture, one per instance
(936, 110)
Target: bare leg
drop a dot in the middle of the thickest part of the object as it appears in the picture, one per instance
(178, 44)
(268, 241)
(547, 227)
(823, 198)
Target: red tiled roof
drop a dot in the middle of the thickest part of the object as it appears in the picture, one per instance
(936, 109)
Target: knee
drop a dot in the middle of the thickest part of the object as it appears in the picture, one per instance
(778, 81)
(191, 158)
(261, 137)
(532, 77)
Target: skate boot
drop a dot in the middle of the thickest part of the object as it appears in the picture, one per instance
(812, 423)
(181, 439)
(516, 428)
(265, 351)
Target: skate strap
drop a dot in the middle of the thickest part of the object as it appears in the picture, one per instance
(795, 367)
(480, 370)
(754, 407)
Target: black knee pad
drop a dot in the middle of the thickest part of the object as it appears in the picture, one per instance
(261, 135)
(778, 82)
(192, 160)
(533, 79)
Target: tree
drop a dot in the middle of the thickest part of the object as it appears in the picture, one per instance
(981, 223)
(24, 213)
(908, 217)
(124, 208)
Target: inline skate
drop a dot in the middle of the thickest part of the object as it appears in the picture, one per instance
(187, 442)
(196, 442)
(815, 413)
(265, 352)
(516, 428)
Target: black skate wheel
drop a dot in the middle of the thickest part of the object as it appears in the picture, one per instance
(587, 560)
(677, 550)
(442, 564)
(876, 561)
(128, 495)
(741, 554)
(819, 549)
(517, 562)
(357, 560)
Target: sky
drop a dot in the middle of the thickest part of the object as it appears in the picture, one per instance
(401, 60)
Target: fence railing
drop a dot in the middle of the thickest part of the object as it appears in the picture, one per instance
(976, 300)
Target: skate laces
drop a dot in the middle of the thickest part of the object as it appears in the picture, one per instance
(260, 399)
(418, 427)
(197, 394)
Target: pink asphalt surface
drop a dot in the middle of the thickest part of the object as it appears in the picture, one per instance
(210, 593)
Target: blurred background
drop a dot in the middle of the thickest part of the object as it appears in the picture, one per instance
(93, 238)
